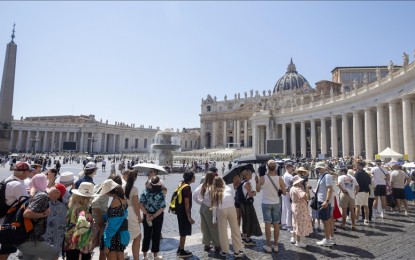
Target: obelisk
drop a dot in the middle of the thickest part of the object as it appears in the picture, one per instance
(6, 95)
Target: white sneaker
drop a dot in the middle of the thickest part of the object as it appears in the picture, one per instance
(332, 241)
(300, 244)
(275, 248)
(381, 214)
(323, 242)
(406, 213)
(267, 249)
(366, 222)
(292, 240)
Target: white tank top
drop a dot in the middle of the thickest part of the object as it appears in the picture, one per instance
(269, 193)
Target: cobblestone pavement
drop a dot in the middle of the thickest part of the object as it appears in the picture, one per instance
(388, 238)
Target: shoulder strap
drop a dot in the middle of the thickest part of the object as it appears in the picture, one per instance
(382, 170)
(273, 183)
(318, 184)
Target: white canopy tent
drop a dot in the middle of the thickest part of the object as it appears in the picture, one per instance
(389, 153)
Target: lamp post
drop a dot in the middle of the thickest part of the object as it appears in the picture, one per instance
(92, 139)
(34, 140)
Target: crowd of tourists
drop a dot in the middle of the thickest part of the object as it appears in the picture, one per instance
(73, 216)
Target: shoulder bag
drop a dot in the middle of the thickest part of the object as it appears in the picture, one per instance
(314, 201)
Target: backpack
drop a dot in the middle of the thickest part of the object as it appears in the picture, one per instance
(16, 228)
(240, 197)
(3, 206)
(176, 202)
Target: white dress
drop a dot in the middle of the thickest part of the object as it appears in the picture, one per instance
(133, 224)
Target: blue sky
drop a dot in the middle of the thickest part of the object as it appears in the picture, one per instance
(151, 63)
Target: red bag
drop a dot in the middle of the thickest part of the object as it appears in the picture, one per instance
(336, 213)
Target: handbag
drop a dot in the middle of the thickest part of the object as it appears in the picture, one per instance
(314, 201)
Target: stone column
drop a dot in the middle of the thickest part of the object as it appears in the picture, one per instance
(19, 141)
(52, 145)
(293, 140)
(225, 130)
(345, 135)
(238, 131)
(45, 141)
(380, 125)
(313, 138)
(81, 143)
(368, 134)
(11, 142)
(60, 141)
(68, 134)
(246, 133)
(234, 131)
(357, 138)
(255, 140)
(408, 131)
(303, 140)
(202, 135)
(28, 144)
(214, 134)
(115, 141)
(334, 141)
(37, 137)
(393, 126)
(105, 143)
(284, 138)
(323, 135)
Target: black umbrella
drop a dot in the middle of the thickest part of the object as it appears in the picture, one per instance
(254, 158)
(235, 170)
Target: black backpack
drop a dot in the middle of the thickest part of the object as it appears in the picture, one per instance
(3, 206)
(16, 228)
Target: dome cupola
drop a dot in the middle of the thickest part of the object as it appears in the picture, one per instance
(291, 81)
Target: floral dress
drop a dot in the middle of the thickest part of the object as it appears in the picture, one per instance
(301, 217)
(116, 236)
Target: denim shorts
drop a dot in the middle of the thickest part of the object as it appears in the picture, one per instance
(271, 213)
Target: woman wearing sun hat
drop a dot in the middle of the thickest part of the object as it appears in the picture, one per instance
(301, 218)
(79, 223)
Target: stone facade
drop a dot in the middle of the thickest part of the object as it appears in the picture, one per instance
(361, 112)
(47, 134)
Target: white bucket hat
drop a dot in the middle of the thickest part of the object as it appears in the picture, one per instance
(107, 186)
(86, 189)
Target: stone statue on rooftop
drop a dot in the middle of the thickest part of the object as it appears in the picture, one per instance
(252, 92)
(378, 73)
(355, 84)
(263, 93)
(235, 95)
(214, 98)
(390, 67)
(256, 93)
(365, 79)
(246, 94)
(239, 95)
(269, 92)
(225, 97)
(405, 59)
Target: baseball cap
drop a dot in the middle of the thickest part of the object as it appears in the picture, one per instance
(90, 165)
(23, 166)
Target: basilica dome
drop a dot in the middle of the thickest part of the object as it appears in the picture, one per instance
(292, 81)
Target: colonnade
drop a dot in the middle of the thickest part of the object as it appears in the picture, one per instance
(363, 132)
(27, 140)
(233, 131)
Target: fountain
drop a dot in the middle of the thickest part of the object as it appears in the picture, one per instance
(166, 141)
